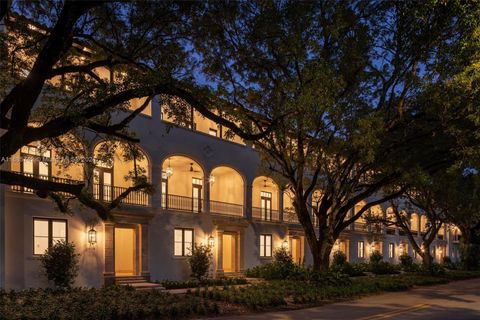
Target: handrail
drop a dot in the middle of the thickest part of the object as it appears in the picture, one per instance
(181, 203)
(265, 214)
(107, 193)
(226, 208)
(17, 188)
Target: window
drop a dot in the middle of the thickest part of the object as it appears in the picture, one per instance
(361, 249)
(213, 132)
(391, 250)
(46, 232)
(265, 245)
(35, 162)
(266, 204)
(183, 242)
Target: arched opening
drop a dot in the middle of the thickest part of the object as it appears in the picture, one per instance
(265, 199)
(118, 167)
(226, 191)
(45, 161)
(182, 184)
(360, 223)
(289, 214)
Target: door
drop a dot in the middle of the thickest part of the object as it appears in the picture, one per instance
(196, 195)
(296, 251)
(103, 180)
(229, 256)
(266, 205)
(125, 251)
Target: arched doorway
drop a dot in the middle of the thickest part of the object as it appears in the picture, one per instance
(182, 184)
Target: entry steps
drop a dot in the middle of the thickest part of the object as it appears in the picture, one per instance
(138, 283)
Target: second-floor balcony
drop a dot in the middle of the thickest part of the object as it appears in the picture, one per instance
(107, 193)
(265, 214)
(226, 208)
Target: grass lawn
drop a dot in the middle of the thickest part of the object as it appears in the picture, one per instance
(126, 303)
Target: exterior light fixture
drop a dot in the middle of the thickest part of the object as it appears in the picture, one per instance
(211, 179)
(285, 244)
(211, 241)
(92, 236)
(169, 170)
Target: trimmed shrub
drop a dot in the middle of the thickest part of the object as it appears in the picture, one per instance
(200, 260)
(376, 257)
(383, 267)
(60, 263)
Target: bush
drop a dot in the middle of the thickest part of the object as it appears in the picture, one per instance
(61, 264)
(434, 270)
(376, 257)
(282, 255)
(339, 259)
(200, 260)
(383, 267)
(341, 265)
(173, 284)
(407, 264)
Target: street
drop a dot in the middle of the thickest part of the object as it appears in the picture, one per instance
(458, 300)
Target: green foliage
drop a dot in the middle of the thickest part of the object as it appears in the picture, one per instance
(108, 303)
(376, 257)
(435, 269)
(200, 261)
(341, 265)
(60, 263)
(172, 284)
(283, 256)
(383, 267)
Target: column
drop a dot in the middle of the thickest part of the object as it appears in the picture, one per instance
(248, 202)
(156, 197)
(241, 247)
(206, 193)
(144, 257)
(219, 253)
(109, 270)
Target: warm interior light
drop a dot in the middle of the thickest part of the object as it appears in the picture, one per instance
(211, 179)
(285, 244)
(169, 170)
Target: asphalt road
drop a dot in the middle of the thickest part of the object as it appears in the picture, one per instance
(458, 300)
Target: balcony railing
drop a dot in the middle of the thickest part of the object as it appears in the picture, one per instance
(181, 203)
(290, 216)
(360, 226)
(108, 193)
(390, 230)
(231, 209)
(264, 214)
(44, 177)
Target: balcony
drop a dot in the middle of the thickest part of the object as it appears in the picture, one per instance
(264, 214)
(107, 193)
(43, 177)
(230, 209)
(390, 230)
(290, 216)
(181, 203)
(360, 226)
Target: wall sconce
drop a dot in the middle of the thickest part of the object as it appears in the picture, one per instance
(211, 179)
(92, 236)
(211, 241)
(285, 244)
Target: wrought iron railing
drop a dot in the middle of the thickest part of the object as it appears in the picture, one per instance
(108, 193)
(43, 177)
(181, 203)
(390, 230)
(265, 214)
(360, 226)
(290, 216)
(226, 208)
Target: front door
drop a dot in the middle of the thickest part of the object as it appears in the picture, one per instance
(125, 251)
(296, 250)
(229, 250)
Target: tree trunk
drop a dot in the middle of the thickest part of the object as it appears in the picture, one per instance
(426, 257)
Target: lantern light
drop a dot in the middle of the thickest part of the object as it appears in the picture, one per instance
(285, 244)
(211, 179)
(92, 236)
(211, 241)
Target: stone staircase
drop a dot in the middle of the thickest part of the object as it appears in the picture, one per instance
(138, 282)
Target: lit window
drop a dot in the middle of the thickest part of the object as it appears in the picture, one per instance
(47, 232)
(183, 242)
(391, 250)
(265, 245)
(213, 132)
(361, 249)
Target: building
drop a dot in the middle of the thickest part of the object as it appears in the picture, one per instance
(208, 191)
